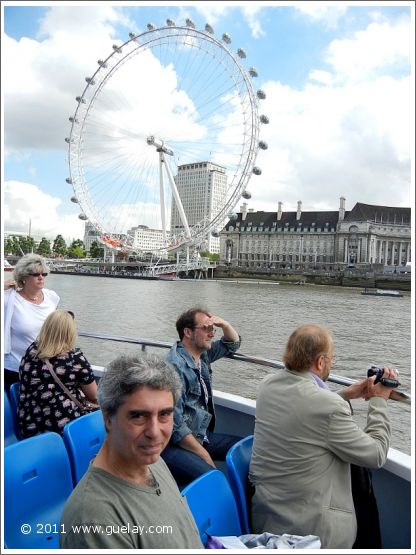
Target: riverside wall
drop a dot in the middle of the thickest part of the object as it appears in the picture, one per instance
(346, 278)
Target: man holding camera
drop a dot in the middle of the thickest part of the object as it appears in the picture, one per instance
(305, 441)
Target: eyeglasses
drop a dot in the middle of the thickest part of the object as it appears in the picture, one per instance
(207, 329)
(37, 274)
(332, 358)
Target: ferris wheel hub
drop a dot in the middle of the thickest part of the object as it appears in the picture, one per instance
(159, 144)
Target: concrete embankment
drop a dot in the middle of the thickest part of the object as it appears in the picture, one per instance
(342, 278)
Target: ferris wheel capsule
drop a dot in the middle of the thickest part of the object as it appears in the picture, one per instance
(263, 145)
(190, 23)
(68, 180)
(256, 170)
(101, 63)
(241, 53)
(72, 119)
(132, 36)
(74, 199)
(170, 23)
(82, 216)
(117, 48)
(90, 80)
(226, 38)
(232, 216)
(253, 72)
(246, 194)
(264, 119)
(209, 29)
(261, 94)
(151, 26)
(80, 100)
(215, 233)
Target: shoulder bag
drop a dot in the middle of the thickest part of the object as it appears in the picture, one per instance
(84, 406)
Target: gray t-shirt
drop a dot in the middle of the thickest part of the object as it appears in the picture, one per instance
(106, 512)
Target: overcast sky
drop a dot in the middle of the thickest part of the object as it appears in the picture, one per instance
(338, 80)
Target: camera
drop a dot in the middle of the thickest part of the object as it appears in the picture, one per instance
(387, 382)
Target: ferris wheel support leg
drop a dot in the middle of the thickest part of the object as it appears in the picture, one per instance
(162, 197)
(177, 197)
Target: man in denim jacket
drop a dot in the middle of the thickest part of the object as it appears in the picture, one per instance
(194, 446)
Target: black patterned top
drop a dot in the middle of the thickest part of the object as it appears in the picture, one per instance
(43, 405)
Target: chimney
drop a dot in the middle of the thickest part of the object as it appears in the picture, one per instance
(341, 209)
(298, 213)
(279, 211)
(251, 210)
(243, 210)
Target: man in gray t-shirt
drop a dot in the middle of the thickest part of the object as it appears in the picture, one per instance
(128, 499)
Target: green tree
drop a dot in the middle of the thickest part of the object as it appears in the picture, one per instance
(27, 244)
(213, 256)
(96, 250)
(44, 247)
(76, 250)
(16, 250)
(59, 246)
(8, 246)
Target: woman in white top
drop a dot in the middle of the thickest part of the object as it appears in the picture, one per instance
(27, 304)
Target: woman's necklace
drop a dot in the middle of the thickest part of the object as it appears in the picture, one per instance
(33, 299)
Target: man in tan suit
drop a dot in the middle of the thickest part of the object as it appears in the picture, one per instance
(305, 440)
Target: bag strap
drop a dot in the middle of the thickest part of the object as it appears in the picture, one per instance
(61, 385)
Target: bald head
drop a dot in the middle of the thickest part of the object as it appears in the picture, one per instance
(305, 344)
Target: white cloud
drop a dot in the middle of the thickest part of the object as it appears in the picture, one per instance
(347, 132)
(380, 47)
(328, 15)
(25, 205)
(212, 12)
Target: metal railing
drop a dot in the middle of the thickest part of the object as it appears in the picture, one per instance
(333, 378)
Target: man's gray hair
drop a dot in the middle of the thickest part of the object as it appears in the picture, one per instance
(28, 264)
(127, 373)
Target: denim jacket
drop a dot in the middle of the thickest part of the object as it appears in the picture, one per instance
(193, 415)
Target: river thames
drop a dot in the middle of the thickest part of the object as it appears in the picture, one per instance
(367, 330)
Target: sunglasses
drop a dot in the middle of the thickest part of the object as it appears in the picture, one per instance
(207, 329)
(37, 274)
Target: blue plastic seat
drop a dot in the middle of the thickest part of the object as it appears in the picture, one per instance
(37, 483)
(238, 463)
(9, 422)
(213, 506)
(14, 394)
(83, 438)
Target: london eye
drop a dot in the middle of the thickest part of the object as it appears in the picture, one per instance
(165, 98)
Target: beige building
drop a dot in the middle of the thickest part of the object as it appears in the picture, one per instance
(202, 188)
(148, 239)
(366, 235)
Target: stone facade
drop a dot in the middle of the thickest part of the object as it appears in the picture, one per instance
(365, 236)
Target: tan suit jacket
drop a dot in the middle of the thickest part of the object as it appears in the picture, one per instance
(304, 441)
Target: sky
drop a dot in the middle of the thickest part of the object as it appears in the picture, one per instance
(338, 79)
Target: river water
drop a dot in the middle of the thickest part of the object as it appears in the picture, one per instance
(367, 330)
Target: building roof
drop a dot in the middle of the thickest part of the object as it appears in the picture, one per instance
(267, 219)
(382, 214)
(360, 212)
